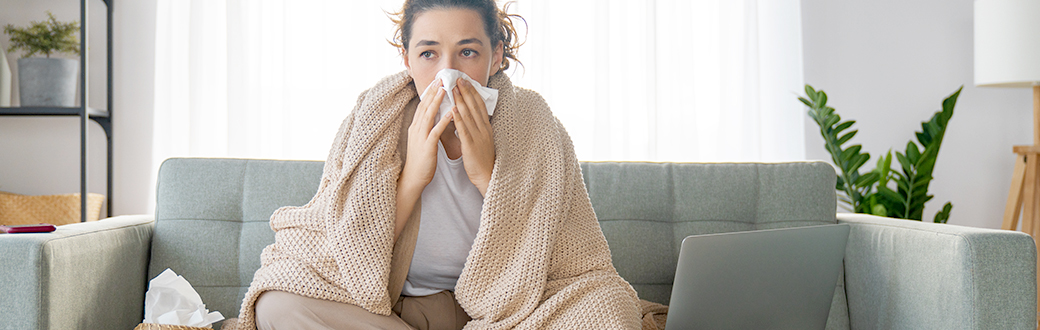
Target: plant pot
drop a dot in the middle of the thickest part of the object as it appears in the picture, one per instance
(5, 80)
(47, 82)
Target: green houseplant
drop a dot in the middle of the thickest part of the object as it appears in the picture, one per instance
(46, 81)
(50, 36)
(872, 192)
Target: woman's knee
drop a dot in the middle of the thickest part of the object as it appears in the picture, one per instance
(274, 307)
(283, 310)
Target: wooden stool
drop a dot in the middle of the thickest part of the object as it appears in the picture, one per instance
(1024, 197)
(1024, 183)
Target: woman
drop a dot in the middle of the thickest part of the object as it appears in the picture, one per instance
(435, 222)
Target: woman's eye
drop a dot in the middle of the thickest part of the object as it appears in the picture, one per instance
(469, 52)
(426, 54)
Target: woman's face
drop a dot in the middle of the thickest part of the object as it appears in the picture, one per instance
(450, 39)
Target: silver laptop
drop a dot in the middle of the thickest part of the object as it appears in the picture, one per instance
(764, 279)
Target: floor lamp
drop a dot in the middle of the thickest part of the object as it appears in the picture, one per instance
(1007, 54)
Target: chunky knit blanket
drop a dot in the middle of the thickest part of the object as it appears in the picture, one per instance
(539, 260)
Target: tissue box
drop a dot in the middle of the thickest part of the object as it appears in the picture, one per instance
(153, 326)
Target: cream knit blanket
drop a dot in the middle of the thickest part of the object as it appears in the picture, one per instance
(539, 260)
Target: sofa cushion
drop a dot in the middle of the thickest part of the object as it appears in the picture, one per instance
(212, 220)
(646, 209)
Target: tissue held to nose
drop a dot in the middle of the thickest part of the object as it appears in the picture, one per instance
(449, 77)
(171, 300)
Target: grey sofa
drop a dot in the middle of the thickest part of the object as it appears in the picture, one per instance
(212, 224)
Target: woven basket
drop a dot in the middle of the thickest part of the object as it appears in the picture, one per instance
(57, 210)
(153, 326)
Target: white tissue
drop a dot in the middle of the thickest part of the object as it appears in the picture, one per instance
(171, 300)
(449, 77)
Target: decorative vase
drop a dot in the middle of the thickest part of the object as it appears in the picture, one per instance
(47, 82)
(5, 80)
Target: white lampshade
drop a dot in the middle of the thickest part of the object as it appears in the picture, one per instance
(1007, 43)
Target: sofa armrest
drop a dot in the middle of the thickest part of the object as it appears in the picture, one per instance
(902, 274)
(81, 276)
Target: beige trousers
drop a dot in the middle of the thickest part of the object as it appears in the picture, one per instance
(279, 310)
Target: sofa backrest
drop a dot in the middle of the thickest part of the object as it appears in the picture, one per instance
(646, 209)
(212, 214)
(212, 220)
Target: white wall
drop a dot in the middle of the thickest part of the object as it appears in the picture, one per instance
(40, 155)
(888, 64)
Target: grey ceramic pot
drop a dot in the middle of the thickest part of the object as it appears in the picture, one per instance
(47, 82)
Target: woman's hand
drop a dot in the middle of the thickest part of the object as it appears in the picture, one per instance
(421, 161)
(474, 128)
(423, 134)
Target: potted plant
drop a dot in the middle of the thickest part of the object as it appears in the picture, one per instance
(872, 192)
(46, 81)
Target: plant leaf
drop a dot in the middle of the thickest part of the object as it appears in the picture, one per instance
(44, 37)
(948, 104)
(903, 185)
(867, 179)
(810, 91)
(879, 210)
(890, 194)
(831, 121)
(943, 215)
(905, 163)
(932, 127)
(884, 168)
(846, 137)
(921, 181)
(859, 161)
(843, 126)
(806, 101)
(912, 153)
(846, 156)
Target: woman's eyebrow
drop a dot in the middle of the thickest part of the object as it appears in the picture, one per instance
(461, 42)
(471, 41)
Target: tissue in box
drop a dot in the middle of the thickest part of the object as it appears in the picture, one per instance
(171, 300)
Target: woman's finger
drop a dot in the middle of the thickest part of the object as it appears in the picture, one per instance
(435, 133)
(430, 98)
(429, 117)
(478, 145)
(463, 116)
(478, 111)
(436, 84)
(461, 128)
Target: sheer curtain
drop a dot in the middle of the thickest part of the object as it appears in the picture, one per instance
(658, 80)
(670, 80)
(263, 79)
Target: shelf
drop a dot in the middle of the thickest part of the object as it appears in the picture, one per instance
(50, 111)
(101, 116)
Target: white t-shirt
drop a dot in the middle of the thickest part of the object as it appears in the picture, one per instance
(449, 221)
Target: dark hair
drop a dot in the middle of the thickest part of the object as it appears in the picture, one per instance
(497, 23)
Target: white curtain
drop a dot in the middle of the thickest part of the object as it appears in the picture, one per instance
(670, 80)
(263, 79)
(657, 80)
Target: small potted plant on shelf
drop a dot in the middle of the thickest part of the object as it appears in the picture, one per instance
(46, 81)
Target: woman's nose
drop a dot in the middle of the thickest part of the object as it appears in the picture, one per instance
(449, 63)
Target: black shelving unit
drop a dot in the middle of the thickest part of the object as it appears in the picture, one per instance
(102, 117)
